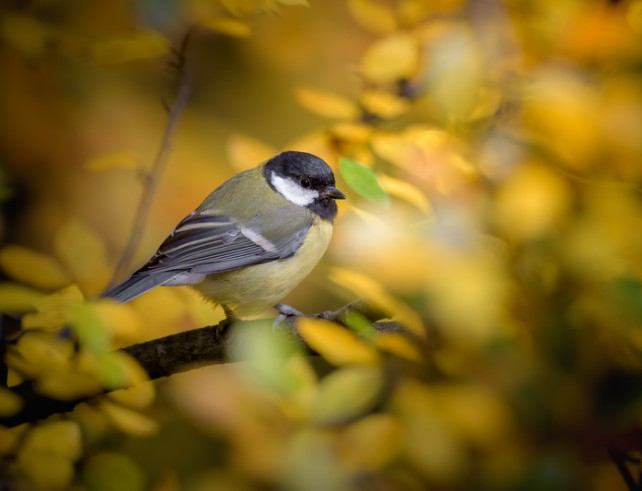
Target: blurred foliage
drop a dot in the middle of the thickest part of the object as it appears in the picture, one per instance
(491, 151)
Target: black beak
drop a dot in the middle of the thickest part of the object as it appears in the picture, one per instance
(334, 193)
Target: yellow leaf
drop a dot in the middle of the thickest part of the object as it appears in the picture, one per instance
(137, 397)
(418, 143)
(32, 268)
(16, 298)
(128, 420)
(374, 293)
(434, 157)
(405, 191)
(25, 33)
(130, 371)
(336, 344)
(370, 443)
(162, 310)
(227, 25)
(456, 70)
(123, 49)
(10, 403)
(564, 112)
(429, 442)
(310, 451)
(243, 7)
(122, 321)
(140, 393)
(249, 7)
(394, 147)
(375, 17)
(488, 104)
(326, 104)
(68, 384)
(353, 132)
(346, 394)
(370, 219)
(317, 143)
(38, 352)
(532, 202)
(105, 471)
(290, 3)
(61, 438)
(118, 370)
(478, 415)
(414, 11)
(11, 437)
(53, 310)
(470, 282)
(605, 243)
(114, 160)
(79, 378)
(398, 345)
(245, 152)
(48, 454)
(45, 471)
(85, 256)
(384, 104)
(390, 59)
(634, 17)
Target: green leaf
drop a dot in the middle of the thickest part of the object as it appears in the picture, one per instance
(109, 470)
(90, 327)
(363, 181)
(346, 394)
(628, 295)
(359, 324)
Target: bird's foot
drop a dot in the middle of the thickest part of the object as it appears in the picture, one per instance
(288, 310)
(285, 312)
(223, 326)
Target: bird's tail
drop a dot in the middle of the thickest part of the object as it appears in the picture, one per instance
(137, 285)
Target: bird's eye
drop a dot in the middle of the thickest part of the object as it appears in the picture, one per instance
(305, 183)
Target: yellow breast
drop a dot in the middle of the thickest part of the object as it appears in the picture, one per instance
(255, 288)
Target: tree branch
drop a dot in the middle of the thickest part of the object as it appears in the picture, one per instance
(174, 354)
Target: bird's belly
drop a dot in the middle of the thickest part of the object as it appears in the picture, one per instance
(253, 289)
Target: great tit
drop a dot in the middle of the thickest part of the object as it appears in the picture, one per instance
(252, 240)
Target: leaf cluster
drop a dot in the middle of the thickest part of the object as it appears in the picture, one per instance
(490, 151)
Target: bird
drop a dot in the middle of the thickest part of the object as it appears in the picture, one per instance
(251, 241)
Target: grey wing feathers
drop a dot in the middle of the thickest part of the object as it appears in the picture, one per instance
(137, 285)
(202, 244)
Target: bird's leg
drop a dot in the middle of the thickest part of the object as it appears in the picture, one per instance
(285, 311)
(229, 314)
(223, 326)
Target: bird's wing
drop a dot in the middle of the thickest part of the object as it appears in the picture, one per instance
(206, 243)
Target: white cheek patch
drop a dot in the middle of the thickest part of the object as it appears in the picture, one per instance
(293, 192)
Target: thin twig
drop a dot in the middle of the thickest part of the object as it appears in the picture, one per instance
(183, 93)
(620, 460)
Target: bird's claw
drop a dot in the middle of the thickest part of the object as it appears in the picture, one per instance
(285, 312)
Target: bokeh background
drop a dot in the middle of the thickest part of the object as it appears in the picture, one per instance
(502, 229)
